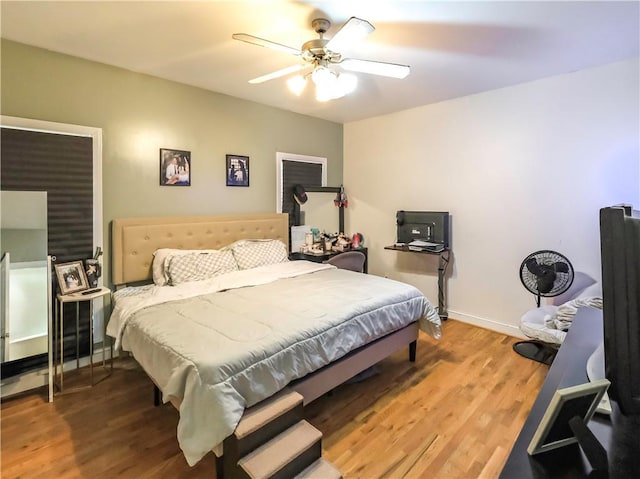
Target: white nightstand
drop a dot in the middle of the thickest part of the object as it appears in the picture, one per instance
(61, 300)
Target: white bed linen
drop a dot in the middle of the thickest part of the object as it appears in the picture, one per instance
(220, 350)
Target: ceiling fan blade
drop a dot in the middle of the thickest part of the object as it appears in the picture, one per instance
(353, 30)
(392, 70)
(277, 74)
(261, 42)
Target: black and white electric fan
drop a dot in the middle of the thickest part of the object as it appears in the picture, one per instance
(544, 273)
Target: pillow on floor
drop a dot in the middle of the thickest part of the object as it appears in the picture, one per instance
(533, 325)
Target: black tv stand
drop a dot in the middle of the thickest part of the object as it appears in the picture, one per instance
(618, 435)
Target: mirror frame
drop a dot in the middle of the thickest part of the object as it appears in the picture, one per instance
(320, 189)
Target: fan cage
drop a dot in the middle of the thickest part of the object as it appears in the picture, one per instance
(547, 258)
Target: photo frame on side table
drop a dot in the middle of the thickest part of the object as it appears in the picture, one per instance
(237, 170)
(557, 427)
(175, 167)
(71, 277)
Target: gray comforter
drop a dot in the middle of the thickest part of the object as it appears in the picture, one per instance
(224, 349)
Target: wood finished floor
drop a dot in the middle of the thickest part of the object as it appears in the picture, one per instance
(454, 413)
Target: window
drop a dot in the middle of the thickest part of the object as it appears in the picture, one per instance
(294, 170)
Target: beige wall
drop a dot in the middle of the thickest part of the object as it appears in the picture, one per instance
(520, 169)
(140, 114)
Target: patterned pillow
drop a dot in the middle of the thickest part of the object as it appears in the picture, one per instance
(198, 266)
(253, 253)
(161, 259)
(131, 291)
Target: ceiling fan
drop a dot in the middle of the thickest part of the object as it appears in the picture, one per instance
(318, 54)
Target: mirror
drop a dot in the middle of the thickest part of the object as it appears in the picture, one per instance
(24, 279)
(320, 212)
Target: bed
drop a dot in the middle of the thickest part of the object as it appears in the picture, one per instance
(219, 345)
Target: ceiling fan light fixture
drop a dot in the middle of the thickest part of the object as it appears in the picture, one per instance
(327, 87)
(348, 82)
(331, 85)
(297, 84)
(322, 76)
(323, 94)
(320, 54)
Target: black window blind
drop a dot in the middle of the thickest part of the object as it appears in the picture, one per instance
(298, 173)
(61, 165)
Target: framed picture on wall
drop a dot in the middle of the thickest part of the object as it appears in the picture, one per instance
(237, 170)
(175, 167)
(71, 277)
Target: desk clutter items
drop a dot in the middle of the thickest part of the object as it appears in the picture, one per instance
(357, 241)
(419, 245)
(79, 276)
(308, 240)
(342, 243)
(93, 269)
(71, 277)
(341, 200)
(423, 230)
(322, 243)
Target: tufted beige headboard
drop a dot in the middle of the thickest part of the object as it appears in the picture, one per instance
(135, 239)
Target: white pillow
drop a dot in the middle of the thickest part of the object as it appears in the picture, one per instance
(581, 281)
(253, 253)
(199, 266)
(593, 291)
(160, 259)
(534, 325)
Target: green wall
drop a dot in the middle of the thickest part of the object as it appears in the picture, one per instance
(140, 114)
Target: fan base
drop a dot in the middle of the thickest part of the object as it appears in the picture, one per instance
(536, 350)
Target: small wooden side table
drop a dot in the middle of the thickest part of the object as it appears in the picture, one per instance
(61, 300)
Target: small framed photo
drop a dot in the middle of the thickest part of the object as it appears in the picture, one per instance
(71, 277)
(237, 170)
(554, 430)
(175, 167)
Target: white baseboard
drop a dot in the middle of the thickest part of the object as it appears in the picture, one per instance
(507, 329)
(39, 378)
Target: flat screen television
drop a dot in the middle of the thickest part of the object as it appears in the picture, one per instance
(620, 256)
(430, 226)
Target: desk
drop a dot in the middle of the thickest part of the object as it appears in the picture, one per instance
(77, 298)
(321, 258)
(443, 261)
(617, 434)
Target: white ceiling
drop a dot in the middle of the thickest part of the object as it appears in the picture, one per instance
(454, 48)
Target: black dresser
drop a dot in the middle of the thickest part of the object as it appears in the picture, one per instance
(619, 435)
(321, 258)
